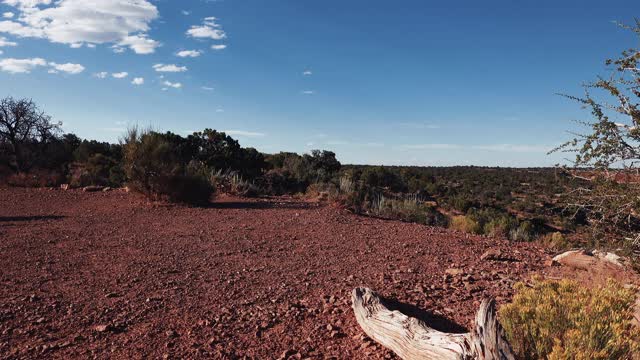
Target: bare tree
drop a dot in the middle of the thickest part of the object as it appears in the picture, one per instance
(608, 155)
(22, 124)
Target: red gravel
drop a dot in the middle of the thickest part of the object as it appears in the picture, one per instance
(102, 275)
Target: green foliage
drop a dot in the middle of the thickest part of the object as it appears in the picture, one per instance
(219, 151)
(563, 320)
(307, 169)
(465, 224)
(157, 166)
(556, 241)
(408, 208)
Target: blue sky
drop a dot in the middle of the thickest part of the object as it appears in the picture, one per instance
(412, 82)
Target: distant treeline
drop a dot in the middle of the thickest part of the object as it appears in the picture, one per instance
(517, 203)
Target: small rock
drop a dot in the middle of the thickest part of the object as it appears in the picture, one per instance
(454, 271)
(102, 328)
(491, 254)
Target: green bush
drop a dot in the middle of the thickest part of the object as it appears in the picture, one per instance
(465, 224)
(563, 320)
(154, 166)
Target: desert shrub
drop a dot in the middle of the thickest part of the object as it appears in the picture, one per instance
(327, 191)
(555, 241)
(316, 167)
(465, 224)
(35, 178)
(155, 167)
(279, 182)
(233, 183)
(500, 226)
(524, 232)
(563, 320)
(346, 185)
(409, 208)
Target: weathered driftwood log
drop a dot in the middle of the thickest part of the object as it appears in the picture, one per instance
(410, 338)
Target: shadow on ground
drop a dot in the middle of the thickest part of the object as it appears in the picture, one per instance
(29, 218)
(432, 320)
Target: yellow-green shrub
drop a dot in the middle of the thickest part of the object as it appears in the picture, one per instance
(564, 320)
(465, 224)
(555, 241)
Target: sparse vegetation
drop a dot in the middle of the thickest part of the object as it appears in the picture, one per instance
(156, 166)
(564, 320)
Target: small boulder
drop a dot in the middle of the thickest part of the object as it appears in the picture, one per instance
(492, 254)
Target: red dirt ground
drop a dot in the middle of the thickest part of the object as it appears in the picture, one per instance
(110, 275)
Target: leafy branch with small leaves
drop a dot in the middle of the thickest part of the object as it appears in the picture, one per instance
(607, 157)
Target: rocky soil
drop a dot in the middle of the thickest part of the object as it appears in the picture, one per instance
(110, 275)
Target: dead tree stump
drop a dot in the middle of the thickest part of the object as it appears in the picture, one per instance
(412, 339)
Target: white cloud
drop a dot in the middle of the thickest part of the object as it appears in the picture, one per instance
(309, 92)
(186, 12)
(243, 133)
(101, 75)
(68, 68)
(218, 47)
(169, 68)
(124, 23)
(169, 84)
(208, 30)
(26, 4)
(5, 42)
(307, 73)
(219, 110)
(432, 147)
(8, 15)
(120, 75)
(1, 52)
(138, 81)
(140, 44)
(189, 53)
(207, 88)
(21, 66)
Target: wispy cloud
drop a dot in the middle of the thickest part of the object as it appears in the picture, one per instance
(189, 53)
(308, 92)
(120, 75)
(244, 133)
(170, 84)
(218, 47)
(419, 125)
(138, 81)
(209, 29)
(512, 148)
(5, 42)
(515, 148)
(171, 68)
(431, 147)
(68, 68)
(307, 73)
(21, 66)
